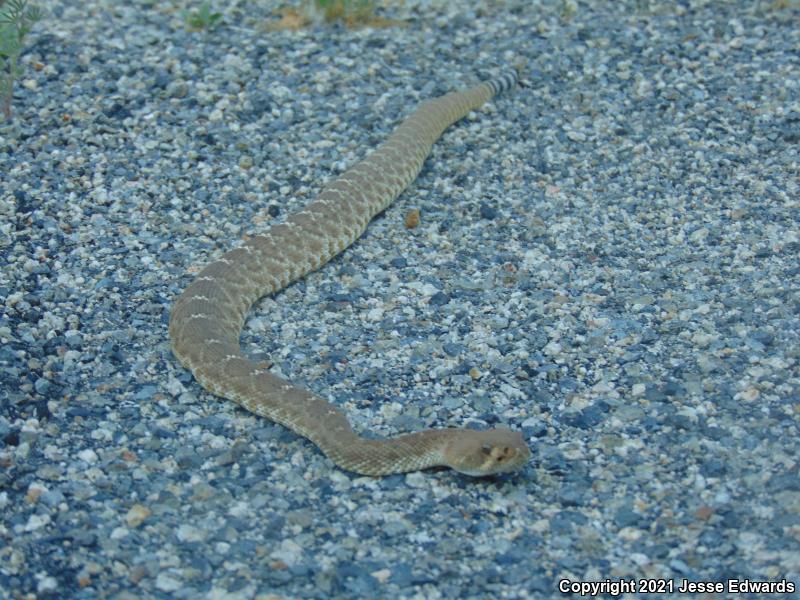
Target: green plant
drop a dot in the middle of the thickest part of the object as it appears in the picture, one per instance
(351, 11)
(16, 20)
(202, 18)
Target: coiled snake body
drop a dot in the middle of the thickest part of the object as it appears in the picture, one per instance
(207, 318)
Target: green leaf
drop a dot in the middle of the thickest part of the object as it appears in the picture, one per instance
(9, 40)
(16, 20)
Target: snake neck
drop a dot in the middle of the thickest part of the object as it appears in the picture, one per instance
(322, 423)
(385, 456)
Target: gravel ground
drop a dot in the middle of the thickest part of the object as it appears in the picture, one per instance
(607, 259)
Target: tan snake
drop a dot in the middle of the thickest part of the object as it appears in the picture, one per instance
(209, 315)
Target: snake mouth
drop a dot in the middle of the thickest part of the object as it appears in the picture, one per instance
(509, 467)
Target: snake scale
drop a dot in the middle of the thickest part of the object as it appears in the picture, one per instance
(207, 318)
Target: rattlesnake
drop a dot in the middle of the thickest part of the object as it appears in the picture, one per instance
(208, 316)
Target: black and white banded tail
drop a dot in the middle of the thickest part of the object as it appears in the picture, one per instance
(504, 82)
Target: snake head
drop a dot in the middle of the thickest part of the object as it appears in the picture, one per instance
(481, 453)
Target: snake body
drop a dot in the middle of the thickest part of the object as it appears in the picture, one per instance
(207, 318)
